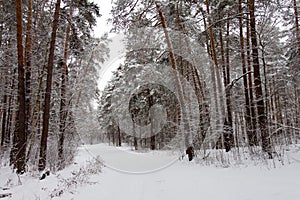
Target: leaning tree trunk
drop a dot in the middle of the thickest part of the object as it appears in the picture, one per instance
(187, 131)
(19, 146)
(262, 118)
(46, 114)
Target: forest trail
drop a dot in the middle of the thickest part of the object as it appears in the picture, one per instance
(183, 180)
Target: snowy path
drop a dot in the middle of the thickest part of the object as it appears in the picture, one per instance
(186, 181)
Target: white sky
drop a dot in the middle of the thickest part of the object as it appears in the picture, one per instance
(116, 46)
(102, 26)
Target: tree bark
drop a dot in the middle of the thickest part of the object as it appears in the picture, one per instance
(28, 61)
(63, 102)
(10, 113)
(188, 139)
(229, 139)
(119, 136)
(20, 139)
(4, 120)
(297, 25)
(221, 142)
(215, 76)
(34, 114)
(5, 107)
(152, 118)
(245, 80)
(262, 118)
(253, 126)
(46, 114)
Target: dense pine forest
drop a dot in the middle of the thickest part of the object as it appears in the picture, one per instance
(198, 75)
(49, 63)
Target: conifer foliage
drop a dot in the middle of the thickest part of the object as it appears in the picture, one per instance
(244, 90)
(43, 77)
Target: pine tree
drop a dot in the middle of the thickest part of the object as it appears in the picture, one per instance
(262, 118)
(46, 115)
(20, 133)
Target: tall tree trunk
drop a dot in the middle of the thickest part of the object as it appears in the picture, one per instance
(5, 106)
(253, 121)
(249, 128)
(1, 24)
(35, 111)
(229, 139)
(20, 137)
(28, 60)
(4, 120)
(119, 135)
(36, 116)
(187, 131)
(215, 76)
(152, 118)
(9, 118)
(264, 64)
(226, 79)
(297, 25)
(1, 34)
(10, 113)
(206, 32)
(46, 114)
(193, 76)
(262, 118)
(63, 102)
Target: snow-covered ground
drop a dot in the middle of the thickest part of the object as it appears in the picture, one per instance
(157, 175)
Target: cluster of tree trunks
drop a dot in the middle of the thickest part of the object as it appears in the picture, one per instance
(21, 123)
(261, 104)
